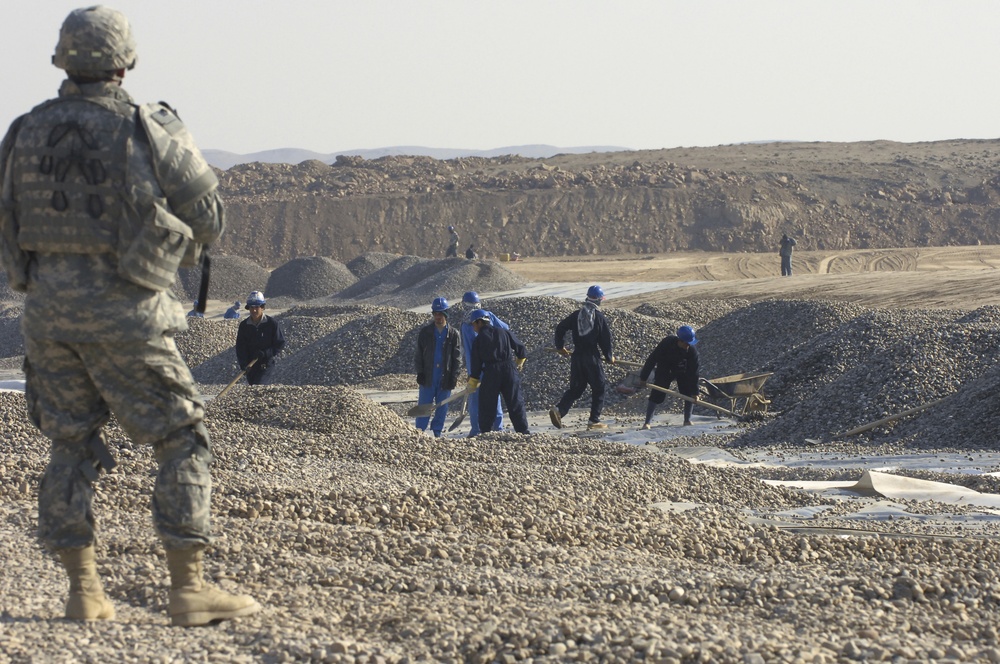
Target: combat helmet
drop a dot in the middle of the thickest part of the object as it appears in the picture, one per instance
(95, 39)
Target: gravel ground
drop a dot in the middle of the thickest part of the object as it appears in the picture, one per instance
(367, 541)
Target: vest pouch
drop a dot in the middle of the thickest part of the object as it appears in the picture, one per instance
(152, 258)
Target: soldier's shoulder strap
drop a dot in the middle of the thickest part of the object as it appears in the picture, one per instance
(190, 177)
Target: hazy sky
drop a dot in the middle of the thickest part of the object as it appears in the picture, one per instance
(331, 75)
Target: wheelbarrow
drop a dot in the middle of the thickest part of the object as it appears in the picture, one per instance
(741, 391)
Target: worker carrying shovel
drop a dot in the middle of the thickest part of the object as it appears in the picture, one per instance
(674, 358)
(438, 361)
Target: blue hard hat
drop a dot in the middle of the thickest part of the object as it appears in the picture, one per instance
(686, 334)
(595, 293)
(439, 304)
(471, 297)
(255, 299)
(480, 314)
(451, 228)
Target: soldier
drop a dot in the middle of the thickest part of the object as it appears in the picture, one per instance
(102, 201)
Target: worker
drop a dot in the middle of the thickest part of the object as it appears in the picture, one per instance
(194, 313)
(259, 337)
(453, 244)
(592, 338)
(233, 312)
(471, 254)
(785, 251)
(89, 181)
(472, 302)
(674, 359)
(438, 361)
(497, 356)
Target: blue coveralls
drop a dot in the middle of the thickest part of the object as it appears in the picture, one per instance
(433, 392)
(468, 336)
(493, 354)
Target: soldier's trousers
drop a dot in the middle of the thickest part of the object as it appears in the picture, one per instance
(71, 389)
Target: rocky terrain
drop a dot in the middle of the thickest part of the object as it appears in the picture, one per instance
(368, 541)
(735, 198)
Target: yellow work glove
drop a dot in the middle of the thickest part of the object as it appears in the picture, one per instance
(564, 352)
(612, 360)
(472, 385)
(520, 363)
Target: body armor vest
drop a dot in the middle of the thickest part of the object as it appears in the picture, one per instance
(70, 168)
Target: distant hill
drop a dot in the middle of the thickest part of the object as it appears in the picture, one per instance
(226, 160)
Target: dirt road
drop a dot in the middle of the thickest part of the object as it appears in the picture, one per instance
(933, 277)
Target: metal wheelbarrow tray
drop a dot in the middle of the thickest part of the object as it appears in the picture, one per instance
(741, 391)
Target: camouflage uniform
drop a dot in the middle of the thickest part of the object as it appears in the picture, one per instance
(97, 342)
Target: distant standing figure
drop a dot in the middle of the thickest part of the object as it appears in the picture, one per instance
(233, 312)
(453, 244)
(437, 362)
(258, 337)
(591, 339)
(497, 355)
(674, 358)
(786, 255)
(471, 254)
(194, 313)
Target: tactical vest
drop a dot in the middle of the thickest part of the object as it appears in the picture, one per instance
(69, 165)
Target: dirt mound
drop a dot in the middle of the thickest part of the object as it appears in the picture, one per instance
(309, 278)
(206, 338)
(232, 278)
(410, 281)
(369, 263)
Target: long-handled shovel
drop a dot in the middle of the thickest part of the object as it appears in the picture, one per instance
(235, 380)
(426, 409)
(695, 401)
(876, 423)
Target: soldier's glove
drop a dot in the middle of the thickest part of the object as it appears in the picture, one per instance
(564, 352)
(420, 378)
(473, 384)
(520, 363)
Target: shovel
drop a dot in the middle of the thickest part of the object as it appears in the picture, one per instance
(426, 409)
(238, 376)
(695, 401)
(876, 423)
(461, 416)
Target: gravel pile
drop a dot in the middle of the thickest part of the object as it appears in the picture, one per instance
(749, 339)
(368, 342)
(370, 263)
(232, 278)
(410, 281)
(309, 278)
(7, 294)
(205, 338)
(368, 542)
(873, 366)
(696, 313)
(11, 339)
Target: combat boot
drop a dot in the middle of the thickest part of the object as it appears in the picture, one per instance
(194, 602)
(86, 597)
